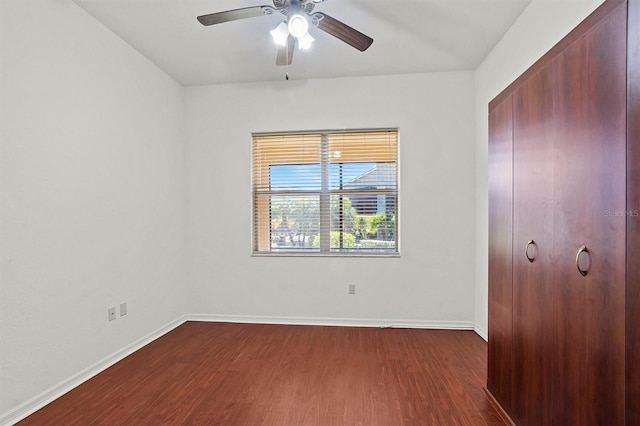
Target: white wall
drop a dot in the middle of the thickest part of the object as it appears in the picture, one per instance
(541, 25)
(91, 196)
(432, 281)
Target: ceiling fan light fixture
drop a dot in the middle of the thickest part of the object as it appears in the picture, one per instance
(280, 34)
(305, 41)
(295, 28)
(298, 26)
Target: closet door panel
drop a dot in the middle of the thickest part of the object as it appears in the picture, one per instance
(500, 235)
(633, 217)
(590, 201)
(533, 242)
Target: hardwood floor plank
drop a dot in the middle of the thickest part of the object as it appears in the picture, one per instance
(251, 374)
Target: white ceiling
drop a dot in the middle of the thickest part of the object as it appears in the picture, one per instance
(410, 36)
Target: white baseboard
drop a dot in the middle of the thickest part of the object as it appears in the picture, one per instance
(481, 332)
(338, 322)
(32, 405)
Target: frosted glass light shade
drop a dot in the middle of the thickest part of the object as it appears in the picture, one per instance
(305, 41)
(280, 34)
(298, 26)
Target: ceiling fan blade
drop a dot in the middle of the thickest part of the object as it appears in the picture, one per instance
(285, 53)
(342, 31)
(235, 14)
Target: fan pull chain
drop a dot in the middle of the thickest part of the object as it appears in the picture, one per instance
(286, 74)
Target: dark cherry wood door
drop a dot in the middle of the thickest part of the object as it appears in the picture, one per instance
(633, 216)
(532, 249)
(500, 269)
(589, 210)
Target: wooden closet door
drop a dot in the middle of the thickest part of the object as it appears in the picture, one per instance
(500, 269)
(532, 268)
(590, 201)
(633, 218)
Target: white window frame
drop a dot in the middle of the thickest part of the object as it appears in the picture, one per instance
(325, 194)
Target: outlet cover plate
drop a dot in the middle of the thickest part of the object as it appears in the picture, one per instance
(112, 313)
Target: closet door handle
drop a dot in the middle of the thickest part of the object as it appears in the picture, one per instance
(581, 250)
(526, 250)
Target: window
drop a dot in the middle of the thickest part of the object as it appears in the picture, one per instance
(326, 192)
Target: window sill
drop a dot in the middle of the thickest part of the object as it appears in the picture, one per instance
(317, 254)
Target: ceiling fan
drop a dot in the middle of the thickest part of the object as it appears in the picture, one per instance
(294, 31)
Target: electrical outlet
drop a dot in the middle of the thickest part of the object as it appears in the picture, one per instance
(352, 289)
(123, 309)
(112, 313)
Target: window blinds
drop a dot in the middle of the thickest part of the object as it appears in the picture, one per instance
(325, 192)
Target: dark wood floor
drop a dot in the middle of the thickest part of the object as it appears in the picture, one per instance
(249, 374)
